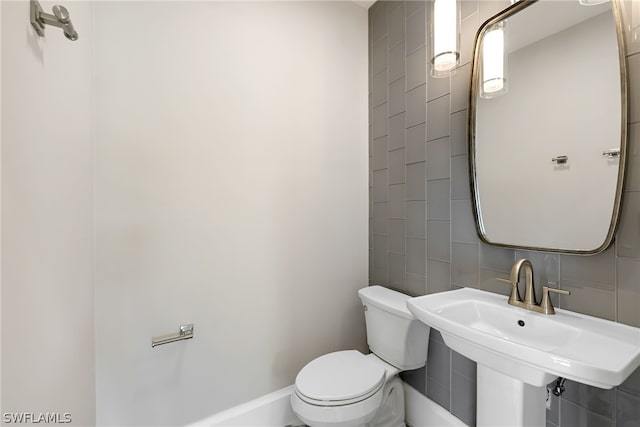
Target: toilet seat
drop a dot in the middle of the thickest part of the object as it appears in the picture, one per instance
(340, 378)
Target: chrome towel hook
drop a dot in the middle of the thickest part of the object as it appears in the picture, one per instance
(60, 19)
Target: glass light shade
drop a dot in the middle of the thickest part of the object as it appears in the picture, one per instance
(444, 37)
(591, 2)
(635, 21)
(493, 79)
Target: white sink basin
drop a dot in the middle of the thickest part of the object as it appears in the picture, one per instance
(483, 327)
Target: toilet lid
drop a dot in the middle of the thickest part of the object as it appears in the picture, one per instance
(339, 377)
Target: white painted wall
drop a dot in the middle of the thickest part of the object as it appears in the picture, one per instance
(47, 197)
(231, 178)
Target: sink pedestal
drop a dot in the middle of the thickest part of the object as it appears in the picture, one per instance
(505, 401)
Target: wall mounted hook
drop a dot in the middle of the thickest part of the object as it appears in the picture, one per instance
(60, 18)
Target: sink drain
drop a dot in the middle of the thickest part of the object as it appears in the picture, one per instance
(521, 322)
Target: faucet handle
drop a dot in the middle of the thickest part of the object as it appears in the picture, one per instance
(514, 297)
(546, 305)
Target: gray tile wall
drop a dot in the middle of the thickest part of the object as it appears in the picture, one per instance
(422, 235)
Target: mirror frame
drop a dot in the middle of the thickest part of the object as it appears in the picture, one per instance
(471, 137)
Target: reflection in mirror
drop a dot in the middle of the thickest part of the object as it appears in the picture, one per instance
(548, 126)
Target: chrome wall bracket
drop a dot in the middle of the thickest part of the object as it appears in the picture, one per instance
(185, 332)
(60, 19)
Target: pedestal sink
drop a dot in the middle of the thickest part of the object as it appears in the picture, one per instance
(519, 352)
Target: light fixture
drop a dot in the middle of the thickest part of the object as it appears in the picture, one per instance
(591, 2)
(494, 62)
(634, 27)
(445, 38)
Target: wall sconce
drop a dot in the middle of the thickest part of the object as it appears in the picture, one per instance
(634, 25)
(445, 38)
(591, 2)
(494, 62)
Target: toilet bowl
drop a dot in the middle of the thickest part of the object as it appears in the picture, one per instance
(350, 389)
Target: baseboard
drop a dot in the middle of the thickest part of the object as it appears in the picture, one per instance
(420, 411)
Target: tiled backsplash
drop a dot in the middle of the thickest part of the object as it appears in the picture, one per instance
(422, 234)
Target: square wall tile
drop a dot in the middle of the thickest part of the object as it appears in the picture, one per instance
(489, 283)
(438, 199)
(598, 270)
(416, 181)
(460, 179)
(463, 226)
(628, 291)
(380, 220)
(439, 362)
(416, 379)
(395, 22)
(488, 8)
(463, 366)
(627, 410)
(416, 106)
(396, 132)
(438, 276)
(396, 201)
(396, 236)
(380, 185)
(379, 56)
(379, 89)
(378, 20)
(416, 285)
(458, 133)
(632, 179)
(380, 154)
(463, 398)
(415, 30)
(396, 97)
(396, 271)
(396, 166)
(460, 88)
(439, 393)
(416, 68)
(437, 87)
(468, 31)
(632, 384)
(435, 335)
(467, 7)
(380, 259)
(438, 159)
(631, 20)
(589, 300)
(553, 413)
(438, 118)
(633, 71)
(497, 259)
(596, 399)
(628, 234)
(416, 220)
(412, 7)
(574, 415)
(546, 268)
(416, 258)
(438, 240)
(396, 62)
(379, 121)
(464, 265)
(416, 145)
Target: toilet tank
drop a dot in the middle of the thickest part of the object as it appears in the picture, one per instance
(393, 333)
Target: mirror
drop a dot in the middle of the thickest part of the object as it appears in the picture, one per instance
(547, 126)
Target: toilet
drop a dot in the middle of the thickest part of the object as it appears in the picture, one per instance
(350, 389)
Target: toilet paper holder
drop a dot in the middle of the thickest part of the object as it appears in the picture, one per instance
(185, 332)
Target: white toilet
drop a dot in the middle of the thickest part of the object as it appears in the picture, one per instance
(349, 389)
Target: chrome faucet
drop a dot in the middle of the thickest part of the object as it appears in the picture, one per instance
(529, 302)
